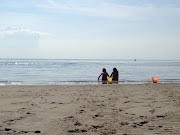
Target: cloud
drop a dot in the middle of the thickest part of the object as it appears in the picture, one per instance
(116, 9)
(18, 37)
(111, 10)
(18, 30)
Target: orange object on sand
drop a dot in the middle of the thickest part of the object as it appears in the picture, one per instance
(155, 79)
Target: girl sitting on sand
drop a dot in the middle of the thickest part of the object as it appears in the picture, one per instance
(115, 74)
(104, 75)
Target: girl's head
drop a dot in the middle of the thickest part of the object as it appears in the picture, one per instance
(115, 70)
(104, 70)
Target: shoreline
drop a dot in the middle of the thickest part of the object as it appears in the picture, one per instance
(2, 83)
(90, 109)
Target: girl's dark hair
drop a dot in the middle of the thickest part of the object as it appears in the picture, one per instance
(104, 70)
(115, 70)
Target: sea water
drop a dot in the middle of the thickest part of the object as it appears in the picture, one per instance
(85, 71)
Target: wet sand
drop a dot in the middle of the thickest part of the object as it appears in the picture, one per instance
(123, 109)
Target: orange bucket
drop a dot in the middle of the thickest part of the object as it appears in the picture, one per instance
(155, 79)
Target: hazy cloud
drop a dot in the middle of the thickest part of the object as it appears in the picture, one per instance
(17, 37)
(16, 30)
(111, 10)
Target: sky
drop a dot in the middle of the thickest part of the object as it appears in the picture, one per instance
(90, 29)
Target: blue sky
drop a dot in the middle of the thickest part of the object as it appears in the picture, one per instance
(85, 29)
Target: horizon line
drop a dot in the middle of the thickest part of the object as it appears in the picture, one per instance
(90, 59)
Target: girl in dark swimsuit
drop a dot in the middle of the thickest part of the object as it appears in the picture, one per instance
(104, 75)
(115, 74)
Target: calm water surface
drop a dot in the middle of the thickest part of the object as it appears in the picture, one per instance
(68, 71)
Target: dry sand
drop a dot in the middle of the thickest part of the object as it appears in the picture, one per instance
(124, 109)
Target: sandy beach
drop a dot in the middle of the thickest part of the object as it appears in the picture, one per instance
(122, 109)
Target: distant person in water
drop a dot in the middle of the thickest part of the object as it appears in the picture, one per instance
(104, 75)
(115, 74)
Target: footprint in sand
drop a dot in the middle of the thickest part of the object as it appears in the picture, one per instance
(24, 132)
(96, 126)
(160, 116)
(120, 109)
(81, 111)
(140, 123)
(83, 106)
(37, 131)
(124, 123)
(152, 111)
(77, 131)
(7, 129)
(77, 123)
(97, 115)
(70, 117)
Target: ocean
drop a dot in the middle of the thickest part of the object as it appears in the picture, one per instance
(85, 71)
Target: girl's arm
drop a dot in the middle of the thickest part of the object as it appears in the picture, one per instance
(99, 76)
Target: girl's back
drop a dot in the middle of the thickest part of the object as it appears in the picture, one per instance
(115, 76)
(104, 75)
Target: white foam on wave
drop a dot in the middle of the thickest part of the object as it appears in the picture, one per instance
(17, 63)
(51, 83)
(16, 83)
